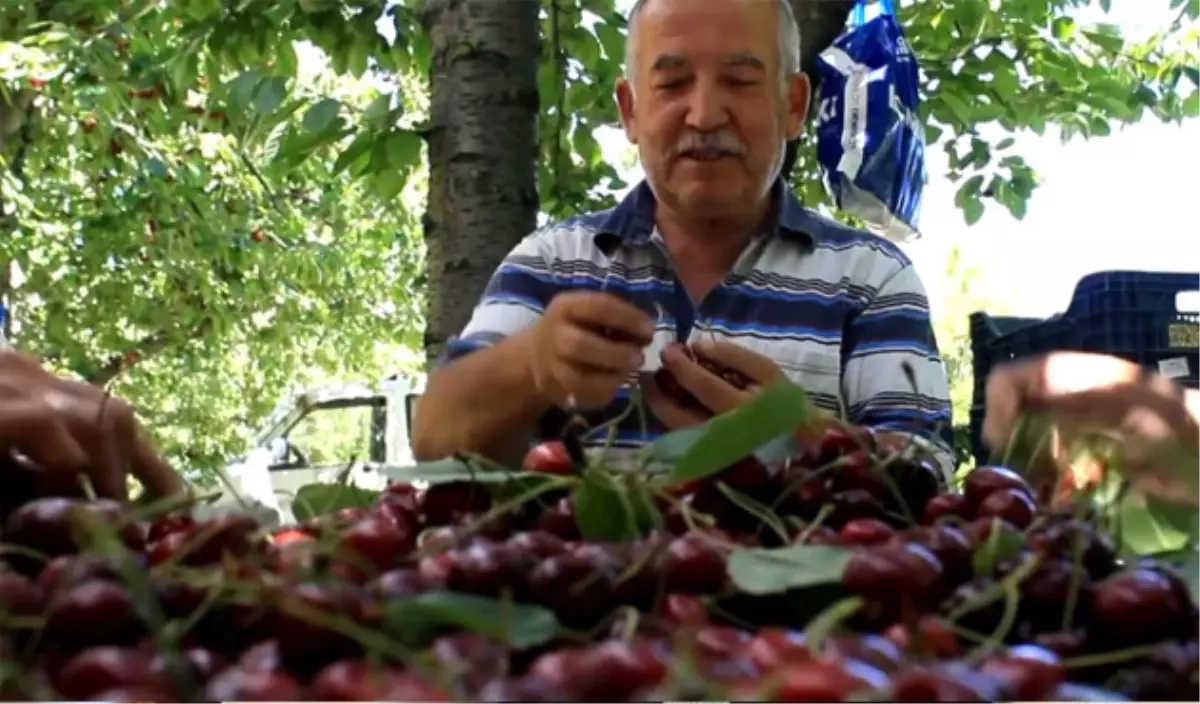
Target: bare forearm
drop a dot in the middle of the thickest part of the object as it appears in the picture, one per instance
(484, 403)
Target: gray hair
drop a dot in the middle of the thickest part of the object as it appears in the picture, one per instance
(789, 40)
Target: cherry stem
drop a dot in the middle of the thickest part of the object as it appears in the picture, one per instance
(1006, 588)
(171, 504)
(766, 517)
(1109, 658)
(500, 510)
(1079, 540)
(825, 512)
(685, 511)
(629, 626)
(612, 424)
(1012, 600)
(821, 625)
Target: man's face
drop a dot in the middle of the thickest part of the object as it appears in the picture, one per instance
(706, 104)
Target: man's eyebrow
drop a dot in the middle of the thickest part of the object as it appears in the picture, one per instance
(745, 59)
(668, 61)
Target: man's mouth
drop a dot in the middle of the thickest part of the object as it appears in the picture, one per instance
(706, 154)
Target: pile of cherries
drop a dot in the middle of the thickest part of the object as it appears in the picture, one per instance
(96, 605)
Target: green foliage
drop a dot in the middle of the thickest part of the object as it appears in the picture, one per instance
(1000, 69)
(324, 499)
(609, 509)
(178, 222)
(771, 571)
(774, 412)
(960, 297)
(417, 620)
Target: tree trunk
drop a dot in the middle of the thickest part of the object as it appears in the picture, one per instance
(820, 21)
(483, 147)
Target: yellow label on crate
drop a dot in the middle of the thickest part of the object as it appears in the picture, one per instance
(1184, 334)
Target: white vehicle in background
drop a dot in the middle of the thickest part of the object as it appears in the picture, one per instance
(326, 434)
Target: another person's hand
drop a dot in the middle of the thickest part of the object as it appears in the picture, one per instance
(67, 429)
(716, 395)
(1088, 393)
(585, 347)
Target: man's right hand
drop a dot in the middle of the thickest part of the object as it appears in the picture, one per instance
(585, 347)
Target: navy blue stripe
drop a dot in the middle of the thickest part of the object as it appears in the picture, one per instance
(460, 346)
(880, 331)
(902, 415)
(791, 292)
(845, 239)
(755, 281)
(685, 312)
(741, 310)
(511, 283)
(776, 288)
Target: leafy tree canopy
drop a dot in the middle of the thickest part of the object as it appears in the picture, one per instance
(193, 211)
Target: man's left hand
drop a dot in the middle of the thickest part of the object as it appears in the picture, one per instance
(714, 393)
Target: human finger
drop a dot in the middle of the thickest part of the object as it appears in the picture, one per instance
(40, 433)
(1152, 409)
(666, 409)
(760, 368)
(105, 433)
(713, 392)
(603, 310)
(586, 348)
(152, 469)
(1005, 396)
(585, 387)
(1061, 374)
(109, 470)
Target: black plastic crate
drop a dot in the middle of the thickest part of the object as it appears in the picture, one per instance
(1129, 314)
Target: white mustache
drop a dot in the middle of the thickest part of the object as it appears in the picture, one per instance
(725, 143)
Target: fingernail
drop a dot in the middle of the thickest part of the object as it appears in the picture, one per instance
(637, 360)
(672, 352)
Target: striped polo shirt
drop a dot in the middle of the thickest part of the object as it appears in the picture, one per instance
(839, 310)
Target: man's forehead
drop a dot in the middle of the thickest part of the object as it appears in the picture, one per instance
(674, 33)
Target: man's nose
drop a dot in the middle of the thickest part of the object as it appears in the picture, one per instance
(708, 107)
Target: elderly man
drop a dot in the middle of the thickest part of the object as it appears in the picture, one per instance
(712, 249)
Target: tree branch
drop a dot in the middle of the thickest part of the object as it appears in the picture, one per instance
(147, 346)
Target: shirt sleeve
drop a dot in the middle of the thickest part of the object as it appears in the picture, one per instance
(893, 377)
(515, 297)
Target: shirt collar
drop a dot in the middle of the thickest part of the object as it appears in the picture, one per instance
(632, 221)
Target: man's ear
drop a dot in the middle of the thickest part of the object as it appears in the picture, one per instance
(625, 106)
(798, 94)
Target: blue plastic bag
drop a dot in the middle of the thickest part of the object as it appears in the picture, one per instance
(870, 140)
